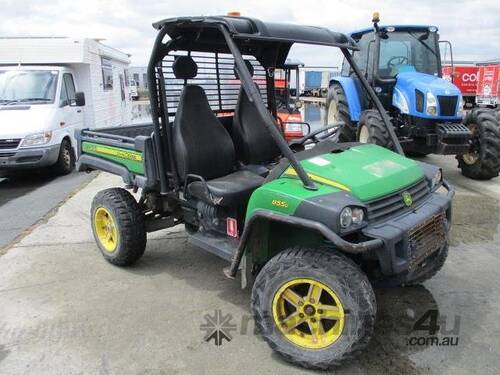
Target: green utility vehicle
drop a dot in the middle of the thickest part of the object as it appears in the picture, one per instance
(312, 227)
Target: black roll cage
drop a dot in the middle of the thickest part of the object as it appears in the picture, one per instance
(162, 131)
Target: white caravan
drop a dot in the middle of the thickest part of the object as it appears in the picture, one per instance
(51, 87)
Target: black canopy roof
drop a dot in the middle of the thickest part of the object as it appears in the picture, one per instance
(200, 33)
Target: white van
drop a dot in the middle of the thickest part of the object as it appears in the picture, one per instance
(52, 87)
(40, 108)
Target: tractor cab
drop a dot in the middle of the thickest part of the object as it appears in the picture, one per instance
(403, 64)
(288, 104)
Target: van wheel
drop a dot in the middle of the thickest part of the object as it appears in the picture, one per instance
(118, 226)
(66, 160)
(315, 307)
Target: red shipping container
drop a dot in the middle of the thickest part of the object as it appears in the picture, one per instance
(488, 87)
(464, 77)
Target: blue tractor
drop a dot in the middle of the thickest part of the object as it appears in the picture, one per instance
(403, 65)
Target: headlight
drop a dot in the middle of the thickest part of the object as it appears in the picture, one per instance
(437, 179)
(357, 215)
(37, 139)
(291, 127)
(346, 217)
(460, 109)
(431, 104)
(401, 102)
(351, 216)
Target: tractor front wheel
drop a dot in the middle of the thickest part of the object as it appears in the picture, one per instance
(371, 129)
(118, 226)
(337, 110)
(482, 162)
(314, 307)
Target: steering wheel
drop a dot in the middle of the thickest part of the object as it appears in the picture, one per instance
(317, 136)
(397, 60)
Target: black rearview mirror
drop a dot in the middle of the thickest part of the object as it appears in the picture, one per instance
(79, 99)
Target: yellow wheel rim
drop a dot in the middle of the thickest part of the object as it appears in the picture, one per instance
(308, 313)
(105, 229)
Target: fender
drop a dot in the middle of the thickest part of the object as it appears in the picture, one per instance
(352, 95)
(340, 243)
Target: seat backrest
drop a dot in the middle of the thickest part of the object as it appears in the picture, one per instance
(254, 144)
(202, 145)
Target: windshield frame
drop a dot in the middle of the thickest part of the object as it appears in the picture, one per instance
(21, 101)
(411, 32)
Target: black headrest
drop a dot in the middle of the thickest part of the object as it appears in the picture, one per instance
(249, 67)
(184, 67)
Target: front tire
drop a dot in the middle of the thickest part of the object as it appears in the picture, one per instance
(337, 110)
(371, 129)
(118, 226)
(66, 160)
(482, 162)
(314, 307)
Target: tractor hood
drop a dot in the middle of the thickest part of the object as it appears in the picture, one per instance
(408, 82)
(366, 171)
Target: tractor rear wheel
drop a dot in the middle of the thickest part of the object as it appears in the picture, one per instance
(315, 307)
(118, 226)
(371, 129)
(337, 110)
(482, 162)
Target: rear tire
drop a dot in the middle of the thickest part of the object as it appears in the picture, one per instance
(483, 161)
(337, 109)
(118, 226)
(336, 276)
(66, 159)
(371, 129)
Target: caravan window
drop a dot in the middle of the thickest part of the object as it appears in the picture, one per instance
(107, 73)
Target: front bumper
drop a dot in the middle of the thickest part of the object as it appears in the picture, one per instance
(400, 253)
(27, 158)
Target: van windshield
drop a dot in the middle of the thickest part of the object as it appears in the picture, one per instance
(27, 86)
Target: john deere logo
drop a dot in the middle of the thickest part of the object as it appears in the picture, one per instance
(407, 199)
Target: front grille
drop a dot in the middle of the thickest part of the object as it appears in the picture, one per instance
(6, 154)
(419, 102)
(447, 105)
(392, 204)
(425, 239)
(6, 144)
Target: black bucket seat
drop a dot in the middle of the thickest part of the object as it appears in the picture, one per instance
(254, 144)
(204, 148)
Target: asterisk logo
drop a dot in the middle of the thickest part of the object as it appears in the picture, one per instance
(218, 327)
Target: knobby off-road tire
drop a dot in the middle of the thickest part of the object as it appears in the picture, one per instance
(118, 226)
(336, 272)
(337, 109)
(371, 129)
(66, 160)
(483, 162)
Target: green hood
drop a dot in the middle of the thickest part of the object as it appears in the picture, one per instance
(367, 171)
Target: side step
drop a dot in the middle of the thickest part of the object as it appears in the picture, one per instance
(222, 246)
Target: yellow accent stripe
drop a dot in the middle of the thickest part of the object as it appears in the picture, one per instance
(321, 180)
(118, 153)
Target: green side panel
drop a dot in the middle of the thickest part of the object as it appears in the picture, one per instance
(283, 195)
(366, 171)
(132, 160)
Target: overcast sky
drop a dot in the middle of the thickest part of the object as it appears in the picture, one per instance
(472, 26)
